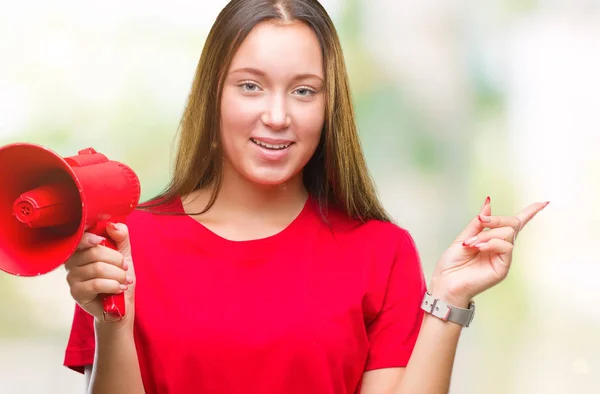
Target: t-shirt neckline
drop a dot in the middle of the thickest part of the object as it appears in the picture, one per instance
(294, 229)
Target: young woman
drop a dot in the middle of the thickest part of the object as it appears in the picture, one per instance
(268, 265)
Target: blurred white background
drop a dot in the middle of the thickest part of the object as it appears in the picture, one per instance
(456, 100)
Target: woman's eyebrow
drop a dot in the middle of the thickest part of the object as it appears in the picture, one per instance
(260, 73)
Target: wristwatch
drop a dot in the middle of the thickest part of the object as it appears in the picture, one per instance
(447, 312)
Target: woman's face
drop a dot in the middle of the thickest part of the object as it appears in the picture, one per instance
(273, 104)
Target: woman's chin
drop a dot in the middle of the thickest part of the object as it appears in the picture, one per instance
(271, 178)
(270, 182)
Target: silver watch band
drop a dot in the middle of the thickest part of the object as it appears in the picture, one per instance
(447, 312)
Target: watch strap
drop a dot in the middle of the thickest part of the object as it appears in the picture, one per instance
(446, 312)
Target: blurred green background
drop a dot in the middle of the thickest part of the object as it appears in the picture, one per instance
(455, 101)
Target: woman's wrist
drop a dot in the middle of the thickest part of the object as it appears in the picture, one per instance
(111, 331)
(445, 293)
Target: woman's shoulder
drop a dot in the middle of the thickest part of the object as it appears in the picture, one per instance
(160, 208)
(385, 238)
(376, 230)
(382, 251)
(378, 243)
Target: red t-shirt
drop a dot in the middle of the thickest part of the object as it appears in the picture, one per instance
(308, 310)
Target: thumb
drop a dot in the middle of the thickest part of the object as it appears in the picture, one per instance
(119, 233)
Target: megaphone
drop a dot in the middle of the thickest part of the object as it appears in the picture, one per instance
(47, 203)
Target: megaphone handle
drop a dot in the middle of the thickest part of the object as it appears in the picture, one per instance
(114, 304)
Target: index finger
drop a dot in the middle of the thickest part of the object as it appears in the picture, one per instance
(529, 212)
(89, 240)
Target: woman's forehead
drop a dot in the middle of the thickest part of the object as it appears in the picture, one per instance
(280, 49)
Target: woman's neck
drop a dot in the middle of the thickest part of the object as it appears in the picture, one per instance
(240, 197)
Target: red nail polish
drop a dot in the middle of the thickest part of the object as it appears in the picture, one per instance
(487, 200)
(482, 220)
(112, 226)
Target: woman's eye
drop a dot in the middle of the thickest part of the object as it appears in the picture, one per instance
(249, 87)
(305, 91)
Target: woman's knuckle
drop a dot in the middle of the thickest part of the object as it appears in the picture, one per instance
(98, 270)
(96, 286)
(69, 278)
(73, 261)
(74, 291)
(92, 254)
(69, 263)
(115, 259)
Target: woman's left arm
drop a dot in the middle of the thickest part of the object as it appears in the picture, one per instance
(476, 261)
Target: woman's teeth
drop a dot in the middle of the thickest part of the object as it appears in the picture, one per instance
(270, 146)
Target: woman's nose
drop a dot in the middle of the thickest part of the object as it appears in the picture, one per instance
(276, 115)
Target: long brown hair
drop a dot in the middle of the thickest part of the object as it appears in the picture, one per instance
(336, 175)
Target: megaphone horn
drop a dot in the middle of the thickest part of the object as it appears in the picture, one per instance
(47, 203)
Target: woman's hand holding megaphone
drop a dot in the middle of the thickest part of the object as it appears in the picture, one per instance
(94, 270)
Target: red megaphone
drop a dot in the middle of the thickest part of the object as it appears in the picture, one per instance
(47, 203)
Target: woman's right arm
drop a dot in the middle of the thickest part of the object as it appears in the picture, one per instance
(116, 366)
(95, 270)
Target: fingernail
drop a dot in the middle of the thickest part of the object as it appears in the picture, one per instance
(113, 226)
(487, 200)
(96, 239)
(546, 204)
(484, 219)
(470, 241)
(123, 287)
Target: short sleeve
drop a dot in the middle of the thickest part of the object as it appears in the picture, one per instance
(82, 341)
(394, 331)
